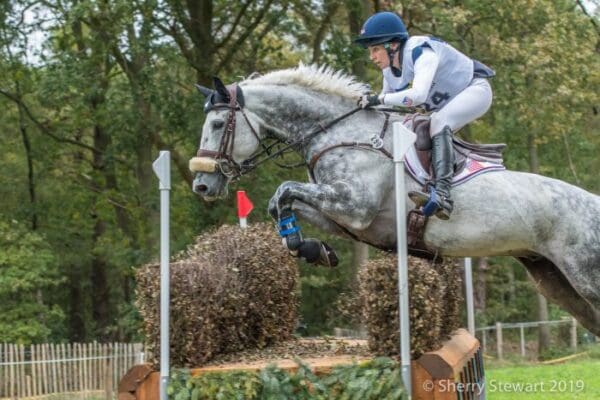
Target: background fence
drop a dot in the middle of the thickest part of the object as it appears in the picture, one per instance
(496, 338)
(91, 369)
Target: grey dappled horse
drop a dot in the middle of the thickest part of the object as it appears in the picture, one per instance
(552, 227)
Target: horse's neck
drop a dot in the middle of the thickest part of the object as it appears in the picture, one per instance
(291, 113)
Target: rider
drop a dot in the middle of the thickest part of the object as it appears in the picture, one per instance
(444, 81)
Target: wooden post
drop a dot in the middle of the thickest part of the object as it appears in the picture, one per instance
(28, 383)
(499, 339)
(111, 367)
(60, 355)
(522, 329)
(80, 387)
(574, 334)
(19, 371)
(54, 368)
(13, 388)
(64, 370)
(108, 382)
(484, 341)
(44, 368)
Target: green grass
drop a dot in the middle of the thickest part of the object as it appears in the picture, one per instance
(578, 379)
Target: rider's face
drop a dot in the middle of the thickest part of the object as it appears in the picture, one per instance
(378, 54)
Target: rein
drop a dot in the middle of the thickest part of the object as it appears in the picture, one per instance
(233, 170)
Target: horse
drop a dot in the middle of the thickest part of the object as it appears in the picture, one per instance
(550, 226)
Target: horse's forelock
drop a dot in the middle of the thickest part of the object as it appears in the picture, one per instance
(321, 78)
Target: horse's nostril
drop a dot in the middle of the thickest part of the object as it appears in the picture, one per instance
(201, 188)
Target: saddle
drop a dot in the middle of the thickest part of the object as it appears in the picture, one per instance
(471, 159)
(464, 152)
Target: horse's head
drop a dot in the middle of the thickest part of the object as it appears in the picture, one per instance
(228, 140)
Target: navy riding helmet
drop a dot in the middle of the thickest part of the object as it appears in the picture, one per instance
(382, 27)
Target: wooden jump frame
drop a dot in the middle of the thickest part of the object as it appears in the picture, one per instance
(455, 371)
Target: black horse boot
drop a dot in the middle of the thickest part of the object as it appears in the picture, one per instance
(438, 200)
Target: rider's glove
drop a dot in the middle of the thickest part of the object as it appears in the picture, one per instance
(369, 101)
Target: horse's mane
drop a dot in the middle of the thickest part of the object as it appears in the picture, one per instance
(321, 78)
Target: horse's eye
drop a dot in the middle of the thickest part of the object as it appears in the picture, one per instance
(218, 124)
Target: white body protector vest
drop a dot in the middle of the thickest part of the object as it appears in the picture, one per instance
(454, 73)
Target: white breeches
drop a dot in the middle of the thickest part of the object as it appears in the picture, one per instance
(465, 107)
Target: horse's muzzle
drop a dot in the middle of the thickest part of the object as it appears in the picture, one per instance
(210, 186)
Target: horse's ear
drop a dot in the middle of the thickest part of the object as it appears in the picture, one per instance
(206, 92)
(221, 89)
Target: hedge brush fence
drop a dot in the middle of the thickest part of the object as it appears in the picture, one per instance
(232, 290)
(435, 297)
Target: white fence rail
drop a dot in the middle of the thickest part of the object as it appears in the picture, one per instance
(47, 369)
(500, 326)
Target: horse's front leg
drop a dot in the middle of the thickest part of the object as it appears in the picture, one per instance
(330, 206)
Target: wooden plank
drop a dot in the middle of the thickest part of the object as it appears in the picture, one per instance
(80, 387)
(563, 359)
(65, 364)
(34, 366)
(12, 374)
(69, 353)
(59, 375)
(149, 388)
(321, 365)
(84, 356)
(92, 356)
(109, 372)
(18, 371)
(2, 371)
(99, 363)
(28, 383)
(27, 376)
(2, 368)
(43, 366)
(446, 362)
(132, 379)
(117, 372)
(23, 371)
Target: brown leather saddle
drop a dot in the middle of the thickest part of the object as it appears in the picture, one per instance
(463, 150)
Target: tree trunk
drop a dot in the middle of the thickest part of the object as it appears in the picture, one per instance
(29, 157)
(544, 330)
(77, 331)
(357, 11)
(479, 289)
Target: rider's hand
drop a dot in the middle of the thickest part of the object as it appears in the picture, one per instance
(369, 101)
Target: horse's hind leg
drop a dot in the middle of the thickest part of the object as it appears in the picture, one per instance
(553, 284)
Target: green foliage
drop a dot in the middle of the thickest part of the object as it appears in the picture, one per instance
(27, 270)
(379, 379)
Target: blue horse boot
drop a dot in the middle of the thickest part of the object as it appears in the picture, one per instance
(438, 200)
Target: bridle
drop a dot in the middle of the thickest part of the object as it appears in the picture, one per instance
(223, 158)
(224, 155)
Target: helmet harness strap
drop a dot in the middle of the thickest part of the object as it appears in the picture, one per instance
(391, 53)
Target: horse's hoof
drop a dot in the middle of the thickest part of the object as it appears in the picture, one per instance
(328, 257)
(419, 198)
(316, 252)
(443, 214)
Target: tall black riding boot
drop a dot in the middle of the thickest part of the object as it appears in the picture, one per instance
(442, 160)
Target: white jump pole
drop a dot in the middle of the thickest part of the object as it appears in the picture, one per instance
(403, 139)
(469, 295)
(162, 169)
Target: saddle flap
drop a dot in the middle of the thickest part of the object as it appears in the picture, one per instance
(469, 158)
